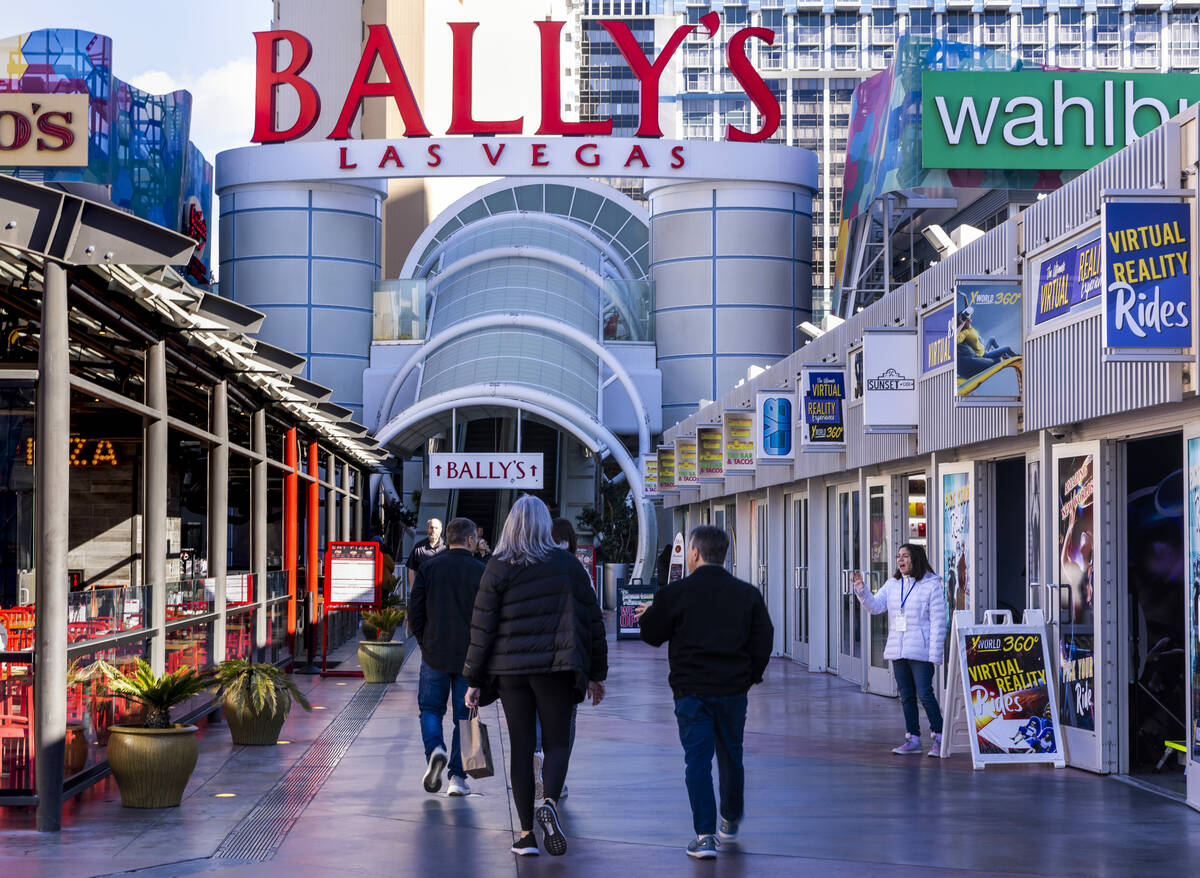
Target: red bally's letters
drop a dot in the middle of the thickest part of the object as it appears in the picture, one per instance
(499, 470)
(379, 48)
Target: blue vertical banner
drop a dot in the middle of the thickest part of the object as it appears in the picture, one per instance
(1147, 280)
(823, 390)
(988, 342)
(775, 440)
(937, 342)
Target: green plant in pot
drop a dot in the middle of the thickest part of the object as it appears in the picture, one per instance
(380, 657)
(255, 700)
(152, 763)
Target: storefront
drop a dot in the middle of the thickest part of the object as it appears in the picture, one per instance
(154, 465)
(1035, 425)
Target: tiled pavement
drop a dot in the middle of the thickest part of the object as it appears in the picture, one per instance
(825, 797)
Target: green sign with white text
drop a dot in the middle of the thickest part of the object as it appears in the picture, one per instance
(1042, 120)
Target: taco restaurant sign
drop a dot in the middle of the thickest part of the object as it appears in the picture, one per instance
(1043, 120)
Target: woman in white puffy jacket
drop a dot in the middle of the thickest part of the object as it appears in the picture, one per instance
(916, 606)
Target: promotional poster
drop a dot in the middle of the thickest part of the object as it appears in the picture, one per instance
(957, 540)
(687, 474)
(824, 400)
(774, 441)
(650, 475)
(710, 460)
(891, 359)
(739, 442)
(666, 468)
(1076, 492)
(1193, 581)
(988, 343)
(1008, 694)
(1147, 278)
(937, 345)
(1033, 491)
(1067, 279)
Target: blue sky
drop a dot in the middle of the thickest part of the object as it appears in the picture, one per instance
(206, 47)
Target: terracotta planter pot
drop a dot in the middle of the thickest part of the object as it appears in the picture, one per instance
(152, 766)
(250, 728)
(380, 660)
(77, 749)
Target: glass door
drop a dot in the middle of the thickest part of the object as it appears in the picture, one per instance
(1077, 482)
(797, 620)
(758, 538)
(850, 613)
(1191, 525)
(879, 537)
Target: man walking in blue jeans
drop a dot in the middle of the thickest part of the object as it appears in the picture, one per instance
(720, 642)
(439, 615)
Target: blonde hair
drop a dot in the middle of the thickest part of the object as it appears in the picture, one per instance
(526, 538)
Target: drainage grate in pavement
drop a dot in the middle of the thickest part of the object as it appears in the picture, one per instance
(263, 830)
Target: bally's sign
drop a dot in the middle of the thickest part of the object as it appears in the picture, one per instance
(43, 130)
(1041, 120)
(380, 53)
(448, 471)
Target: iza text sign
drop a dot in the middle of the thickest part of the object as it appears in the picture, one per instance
(485, 471)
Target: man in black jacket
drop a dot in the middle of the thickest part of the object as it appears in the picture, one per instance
(439, 615)
(720, 642)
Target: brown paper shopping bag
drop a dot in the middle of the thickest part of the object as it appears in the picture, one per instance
(476, 749)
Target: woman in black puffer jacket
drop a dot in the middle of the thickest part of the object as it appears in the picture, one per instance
(537, 635)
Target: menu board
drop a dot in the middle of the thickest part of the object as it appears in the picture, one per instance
(666, 468)
(353, 575)
(709, 457)
(739, 442)
(650, 476)
(686, 473)
(629, 598)
(1012, 714)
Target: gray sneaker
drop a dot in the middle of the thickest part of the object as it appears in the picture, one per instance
(936, 750)
(727, 831)
(911, 745)
(703, 847)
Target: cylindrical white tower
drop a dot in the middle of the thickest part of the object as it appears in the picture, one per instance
(732, 270)
(306, 255)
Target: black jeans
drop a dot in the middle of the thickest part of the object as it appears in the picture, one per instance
(526, 699)
(914, 679)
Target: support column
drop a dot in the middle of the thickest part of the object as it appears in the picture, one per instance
(218, 512)
(360, 482)
(344, 527)
(331, 504)
(154, 518)
(258, 531)
(291, 537)
(312, 554)
(52, 490)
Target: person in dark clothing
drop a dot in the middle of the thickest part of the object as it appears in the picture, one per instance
(662, 567)
(439, 614)
(433, 544)
(720, 642)
(537, 631)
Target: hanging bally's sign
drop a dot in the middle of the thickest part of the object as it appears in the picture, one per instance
(891, 357)
(824, 401)
(738, 438)
(650, 477)
(773, 440)
(485, 471)
(1148, 301)
(710, 458)
(687, 474)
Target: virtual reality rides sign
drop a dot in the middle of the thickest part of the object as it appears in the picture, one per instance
(379, 49)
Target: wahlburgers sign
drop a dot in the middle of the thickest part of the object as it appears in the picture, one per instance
(1043, 120)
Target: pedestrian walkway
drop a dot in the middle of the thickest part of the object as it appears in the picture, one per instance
(824, 797)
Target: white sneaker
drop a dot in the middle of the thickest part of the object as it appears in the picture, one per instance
(539, 791)
(458, 787)
(432, 781)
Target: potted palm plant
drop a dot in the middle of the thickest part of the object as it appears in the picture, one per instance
(380, 658)
(152, 763)
(255, 700)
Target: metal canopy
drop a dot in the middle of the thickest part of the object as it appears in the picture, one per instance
(237, 317)
(278, 358)
(310, 390)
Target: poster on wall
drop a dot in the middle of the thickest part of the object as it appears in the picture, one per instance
(988, 340)
(823, 390)
(774, 441)
(1066, 280)
(890, 363)
(1193, 587)
(666, 469)
(650, 476)
(687, 474)
(1033, 546)
(739, 441)
(958, 547)
(1011, 710)
(937, 341)
(710, 459)
(856, 374)
(1076, 550)
(1147, 280)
